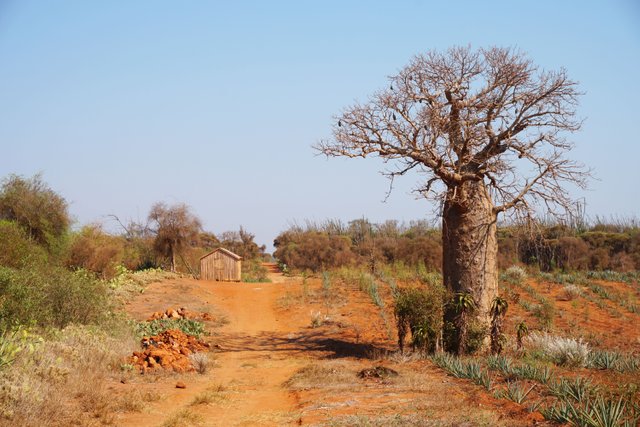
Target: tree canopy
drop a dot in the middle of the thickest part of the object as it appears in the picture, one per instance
(471, 115)
(39, 210)
(175, 227)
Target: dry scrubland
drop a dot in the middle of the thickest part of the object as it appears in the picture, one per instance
(291, 351)
(86, 341)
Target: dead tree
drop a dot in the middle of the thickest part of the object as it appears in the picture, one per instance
(486, 128)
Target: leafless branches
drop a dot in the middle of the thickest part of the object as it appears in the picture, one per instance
(488, 115)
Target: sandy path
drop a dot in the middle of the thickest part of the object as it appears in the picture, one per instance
(251, 356)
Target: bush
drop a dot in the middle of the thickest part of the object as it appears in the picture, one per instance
(313, 250)
(419, 311)
(561, 351)
(51, 296)
(40, 211)
(60, 378)
(572, 253)
(545, 311)
(571, 292)
(94, 250)
(17, 250)
(254, 272)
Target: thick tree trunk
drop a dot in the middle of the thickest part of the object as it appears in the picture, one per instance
(470, 251)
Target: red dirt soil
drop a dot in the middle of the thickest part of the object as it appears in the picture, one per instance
(268, 338)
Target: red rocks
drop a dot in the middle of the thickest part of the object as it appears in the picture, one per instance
(181, 313)
(168, 350)
(180, 384)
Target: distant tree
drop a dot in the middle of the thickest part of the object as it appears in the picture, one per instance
(39, 210)
(92, 249)
(175, 228)
(486, 129)
(242, 243)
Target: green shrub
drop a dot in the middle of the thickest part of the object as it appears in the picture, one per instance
(545, 312)
(17, 249)
(254, 272)
(419, 311)
(40, 211)
(51, 296)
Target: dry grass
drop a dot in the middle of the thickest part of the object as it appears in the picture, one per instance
(328, 374)
(62, 379)
(213, 395)
(184, 418)
(200, 362)
(337, 397)
(136, 400)
(413, 420)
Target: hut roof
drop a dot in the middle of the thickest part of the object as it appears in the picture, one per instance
(224, 251)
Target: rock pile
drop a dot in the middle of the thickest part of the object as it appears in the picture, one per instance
(181, 313)
(167, 350)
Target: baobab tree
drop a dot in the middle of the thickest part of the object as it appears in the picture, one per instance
(486, 128)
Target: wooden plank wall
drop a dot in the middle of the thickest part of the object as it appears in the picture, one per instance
(220, 267)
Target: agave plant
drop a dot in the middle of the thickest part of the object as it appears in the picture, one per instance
(578, 389)
(516, 392)
(528, 372)
(605, 413)
(603, 359)
(500, 363)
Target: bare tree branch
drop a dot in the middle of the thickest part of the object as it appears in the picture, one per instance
(486, 115)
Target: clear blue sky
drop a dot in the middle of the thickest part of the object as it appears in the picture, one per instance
(216, 104)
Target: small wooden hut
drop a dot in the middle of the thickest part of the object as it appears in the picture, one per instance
(221, 265)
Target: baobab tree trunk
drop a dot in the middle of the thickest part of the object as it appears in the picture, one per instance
(470, 251)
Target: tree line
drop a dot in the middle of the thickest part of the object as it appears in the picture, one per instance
(35, 223)
(601, 245)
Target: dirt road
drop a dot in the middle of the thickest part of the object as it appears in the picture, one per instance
(268, 337)
(251, 356)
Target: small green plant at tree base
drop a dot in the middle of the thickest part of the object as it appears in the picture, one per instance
(499, 309)
(419, 311)
(461, 334)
